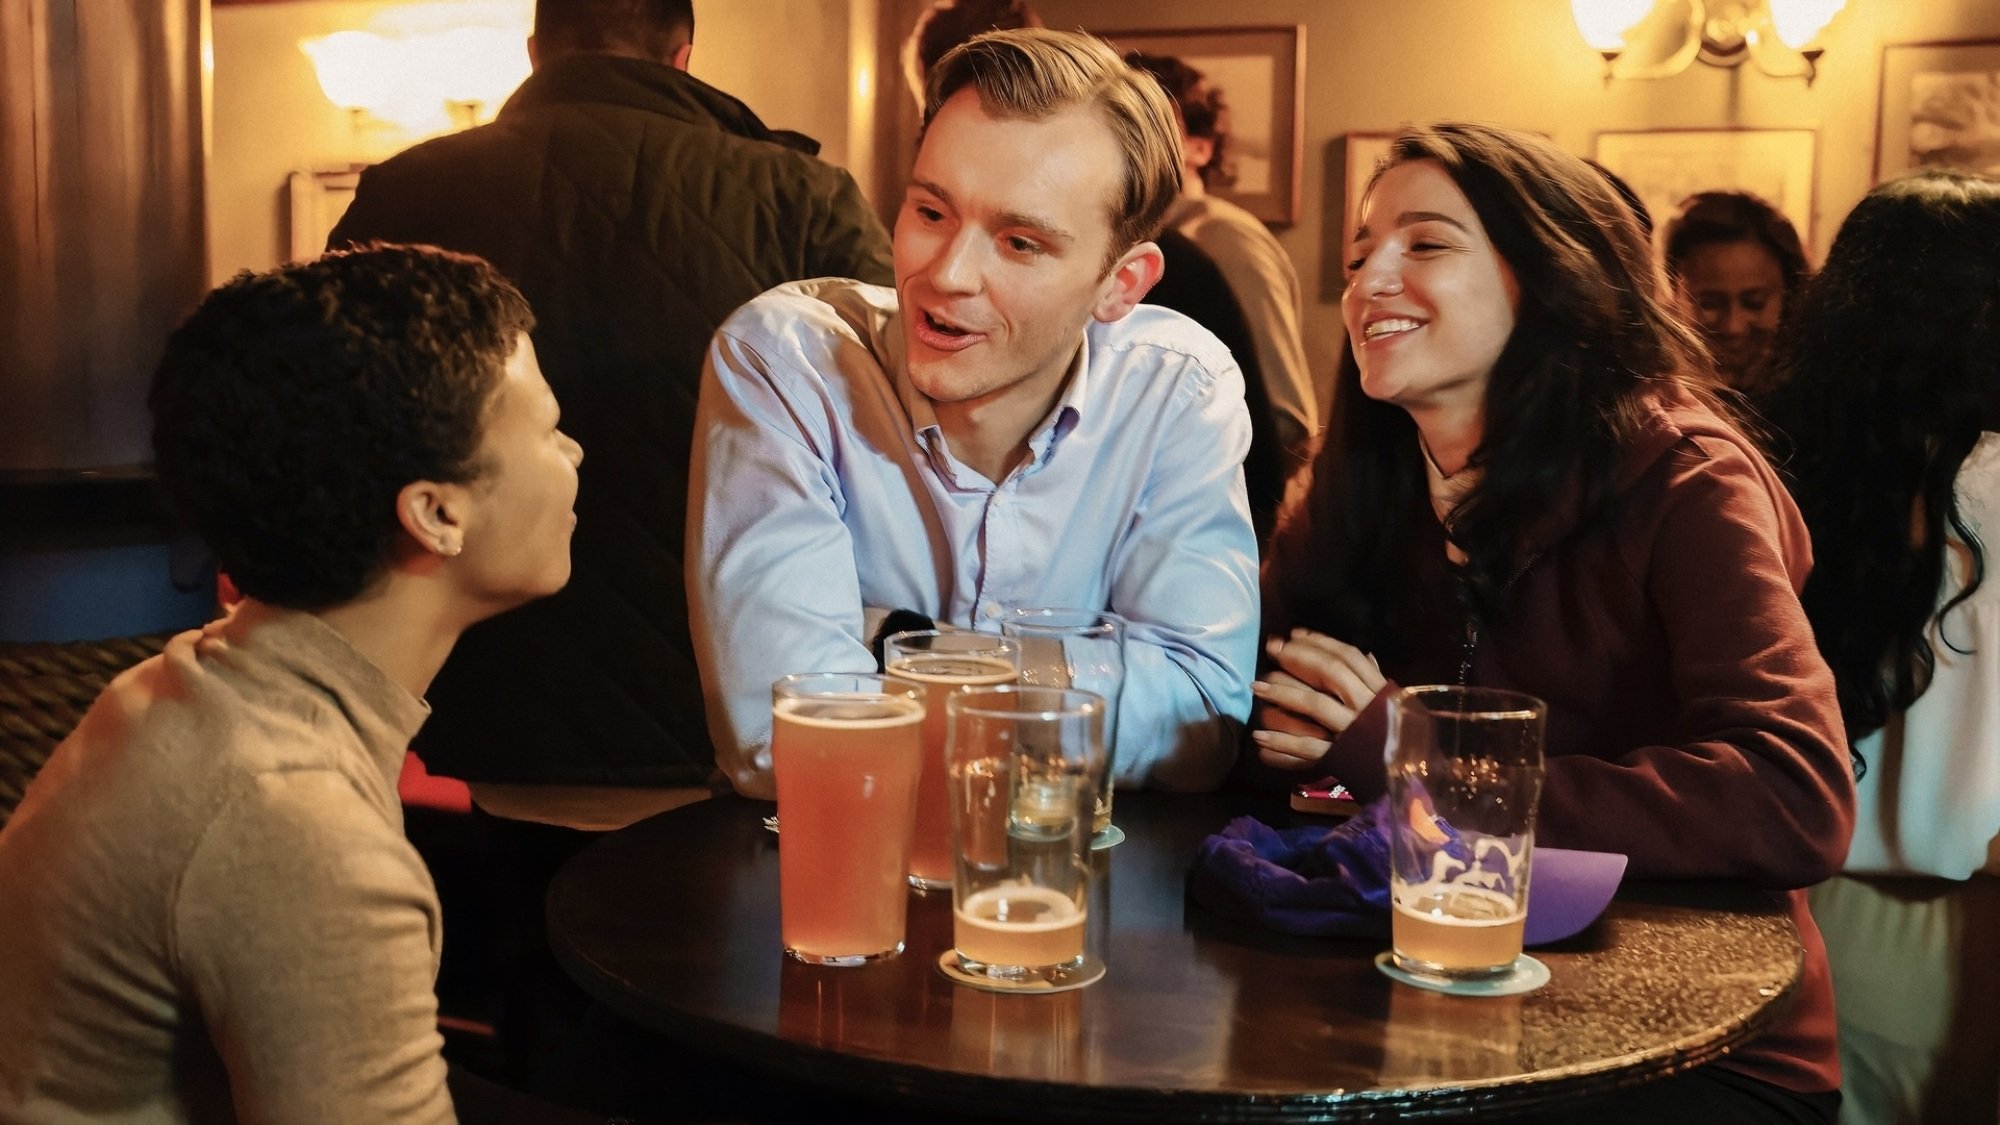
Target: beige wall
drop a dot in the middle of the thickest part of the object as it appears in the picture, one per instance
(1371, 66)
(270, 118)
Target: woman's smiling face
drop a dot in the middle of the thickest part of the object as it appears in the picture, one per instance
(1430, 304)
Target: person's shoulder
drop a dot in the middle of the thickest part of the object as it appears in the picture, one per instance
(1219, 226)
(1171, 344)
(815, 307)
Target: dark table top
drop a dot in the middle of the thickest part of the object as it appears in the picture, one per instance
(673, 923)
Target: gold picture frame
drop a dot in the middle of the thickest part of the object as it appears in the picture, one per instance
(1665, 166)
(1260, 71)
(1939, 107)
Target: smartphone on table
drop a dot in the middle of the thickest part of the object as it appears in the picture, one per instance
(1326, 797)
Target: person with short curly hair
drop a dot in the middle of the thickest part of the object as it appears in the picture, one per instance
(242, 414)
(212, 911)
(1261, 283)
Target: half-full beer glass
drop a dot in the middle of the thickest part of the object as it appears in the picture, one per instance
(943, 662)
(846, 752)
(1465, 774)
(1025, 763)
(1077, 648)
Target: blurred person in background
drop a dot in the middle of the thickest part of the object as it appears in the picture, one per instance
(1736, 263)
(947, 23)
(1890, 407)
(1259, 273)
(636, 207)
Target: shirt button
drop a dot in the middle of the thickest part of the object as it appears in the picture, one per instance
(992, 611)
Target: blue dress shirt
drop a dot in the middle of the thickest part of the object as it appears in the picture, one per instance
(823, 493)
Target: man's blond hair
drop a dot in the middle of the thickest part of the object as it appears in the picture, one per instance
(1036, 73)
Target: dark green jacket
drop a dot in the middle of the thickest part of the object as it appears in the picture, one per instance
(636, 207)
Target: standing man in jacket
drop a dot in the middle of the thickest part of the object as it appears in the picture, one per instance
(636, 207)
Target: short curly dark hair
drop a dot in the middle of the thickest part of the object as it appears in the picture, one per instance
(1203, 111)
(295, 404)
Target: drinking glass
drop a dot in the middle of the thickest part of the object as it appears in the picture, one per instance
(1079, 648)
(1465, 775)
(1025, 763)
(847, 753)
(943, 662)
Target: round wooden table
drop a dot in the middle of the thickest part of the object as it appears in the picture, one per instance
(673, 923)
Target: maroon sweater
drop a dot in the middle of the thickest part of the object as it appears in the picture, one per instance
(1692, 724)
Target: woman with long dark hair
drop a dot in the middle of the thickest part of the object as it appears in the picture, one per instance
(1526, 485)
(1892, 415)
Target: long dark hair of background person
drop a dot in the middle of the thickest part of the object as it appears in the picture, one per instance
(1592, 341)
(1891, 369)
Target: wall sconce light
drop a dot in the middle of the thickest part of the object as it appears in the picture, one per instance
(420, 84)
(1661, 38)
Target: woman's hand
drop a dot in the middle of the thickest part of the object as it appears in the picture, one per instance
(1315, 690)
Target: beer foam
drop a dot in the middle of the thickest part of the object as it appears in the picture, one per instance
(1438, 899)
(951, 668)
(980, 908)
(850, 712)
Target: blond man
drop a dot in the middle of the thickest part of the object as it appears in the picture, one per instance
(1007, 427)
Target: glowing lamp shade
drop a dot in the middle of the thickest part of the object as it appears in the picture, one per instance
(356, 69)
(1799, 22)
(478, 65)
(1603, 23)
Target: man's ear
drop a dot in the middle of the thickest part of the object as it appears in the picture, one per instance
(534, 55)
(682, 54)
(1129, 281)
(434, 515)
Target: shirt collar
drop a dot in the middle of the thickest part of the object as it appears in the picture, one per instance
(1061, 421)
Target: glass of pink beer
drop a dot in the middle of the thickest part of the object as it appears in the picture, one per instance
(943, 662)
(1024, 765)
(846, 752)
(1465, 776)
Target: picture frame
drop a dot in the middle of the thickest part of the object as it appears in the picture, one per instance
(315, 199)
(1935, 96)
(1665, 166)
(1260, 71)
(1363, 153)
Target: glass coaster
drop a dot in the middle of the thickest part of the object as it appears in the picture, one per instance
(1527, 975)
(1110, 837)
(1087, 973)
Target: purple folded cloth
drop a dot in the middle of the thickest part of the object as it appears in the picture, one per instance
(1323, 882)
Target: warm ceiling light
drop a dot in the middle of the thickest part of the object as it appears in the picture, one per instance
(1660, 38)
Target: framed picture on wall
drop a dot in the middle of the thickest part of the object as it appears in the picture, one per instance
(1665, 166)
(1940, 107)
(315, 199)
(1259, 71)
(1364, 151)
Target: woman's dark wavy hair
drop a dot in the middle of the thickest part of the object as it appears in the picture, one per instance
(295, 404)
(1893, 369)
(1593, 340)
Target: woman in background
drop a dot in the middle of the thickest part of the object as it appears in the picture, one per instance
(1892, 410)
(1736, 263)
(1524, 486)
